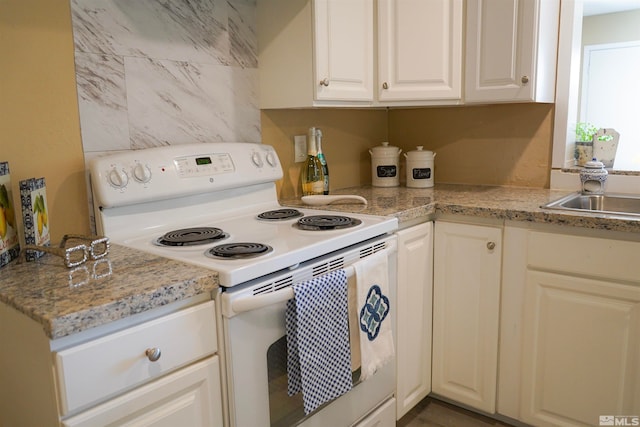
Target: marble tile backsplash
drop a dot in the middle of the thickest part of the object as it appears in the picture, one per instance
(162, 72)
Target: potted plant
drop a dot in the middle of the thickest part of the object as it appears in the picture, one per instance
(585, 132)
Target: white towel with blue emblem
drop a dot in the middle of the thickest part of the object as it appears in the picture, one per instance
(318, 350)
(374, 313)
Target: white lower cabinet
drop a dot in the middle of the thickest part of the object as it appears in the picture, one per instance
(466, 304)
(159, 368)
(185, 398)
(413, 337)
(581, 330)
(103, 371)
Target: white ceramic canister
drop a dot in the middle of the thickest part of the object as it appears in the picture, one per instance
(419, 168)
(593, 177)
(385, 168)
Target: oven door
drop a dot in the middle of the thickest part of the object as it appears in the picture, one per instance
(256, 354)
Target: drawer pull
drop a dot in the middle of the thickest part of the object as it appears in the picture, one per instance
(153, 354)
(491, 246)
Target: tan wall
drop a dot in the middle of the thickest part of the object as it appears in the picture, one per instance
(508, 144)
(347, 136)
(490, 145)
(40, 135)
(39, 124)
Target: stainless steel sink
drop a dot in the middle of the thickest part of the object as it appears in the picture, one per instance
(615, 204)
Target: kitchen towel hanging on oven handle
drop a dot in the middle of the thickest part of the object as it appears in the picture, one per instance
(373, 311)
(318, 350)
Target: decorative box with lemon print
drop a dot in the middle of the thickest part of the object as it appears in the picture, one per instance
(35, 215)
(9, 243)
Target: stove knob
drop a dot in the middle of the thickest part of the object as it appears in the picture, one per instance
(271, 159)
(141, 173)
(118, 178)
(257, 160)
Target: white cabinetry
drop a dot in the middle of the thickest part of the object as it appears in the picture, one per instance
(419, 50)
(413, 337)
(581, 330)
(321, 52)
(157, 368)
(185, 398)
(466, 303)
(511, 48)
(315, 52)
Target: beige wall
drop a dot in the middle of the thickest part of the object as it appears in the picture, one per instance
(40, 135)
(39, 124)
(347, 136)
(491, 145)
(507, 144)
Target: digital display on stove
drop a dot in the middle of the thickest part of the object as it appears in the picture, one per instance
(204, 165)
(203, 161)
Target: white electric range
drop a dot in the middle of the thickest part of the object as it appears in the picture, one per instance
(215, 205)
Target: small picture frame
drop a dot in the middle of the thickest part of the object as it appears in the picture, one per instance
(35, 215)
(9, 242)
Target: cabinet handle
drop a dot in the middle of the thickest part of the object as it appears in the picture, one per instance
(153, 354)
(324, 82)
(491, 246)
(385, 85)
(524, 80)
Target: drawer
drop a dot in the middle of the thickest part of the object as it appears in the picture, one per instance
(98, 369)
(582, 255)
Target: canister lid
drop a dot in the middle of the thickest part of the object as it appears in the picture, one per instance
(594, 164)
(385, 150)
(420, 154)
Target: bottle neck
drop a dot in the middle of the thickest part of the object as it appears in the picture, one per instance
(312, 148)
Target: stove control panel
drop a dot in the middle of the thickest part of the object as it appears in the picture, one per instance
(204, 165)
(160, 173)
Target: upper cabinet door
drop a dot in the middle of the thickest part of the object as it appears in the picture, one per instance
(419, 50)
(511, 48)
(343, 45)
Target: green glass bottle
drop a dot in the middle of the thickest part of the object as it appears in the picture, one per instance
(323, 162)
(311, 174)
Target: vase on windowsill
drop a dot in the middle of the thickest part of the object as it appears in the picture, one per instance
(605, 145)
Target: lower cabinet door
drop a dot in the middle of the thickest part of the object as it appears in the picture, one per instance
(413, 331)
(466, 306)
(188, 397)
(581, 350)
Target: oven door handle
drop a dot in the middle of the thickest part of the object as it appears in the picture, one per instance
(242, 305)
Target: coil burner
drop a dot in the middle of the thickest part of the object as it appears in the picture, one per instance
(280, 214)
(191, 236)
(327, 222)
(240, 250)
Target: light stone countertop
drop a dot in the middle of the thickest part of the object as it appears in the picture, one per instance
(66, 301)
(504, 203)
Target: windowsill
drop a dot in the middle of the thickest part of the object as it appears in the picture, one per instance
(618, 181)
(577, 169)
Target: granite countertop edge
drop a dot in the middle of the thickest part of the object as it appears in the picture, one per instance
(67, 301)
(494, 202)
(138, 281)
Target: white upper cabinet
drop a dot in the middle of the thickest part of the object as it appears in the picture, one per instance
(419, 50)
(511, 48)
(343, 44)
(315, 53)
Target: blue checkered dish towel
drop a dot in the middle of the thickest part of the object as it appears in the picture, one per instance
(318, 350)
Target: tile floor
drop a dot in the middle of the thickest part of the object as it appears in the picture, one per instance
(435, 413)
